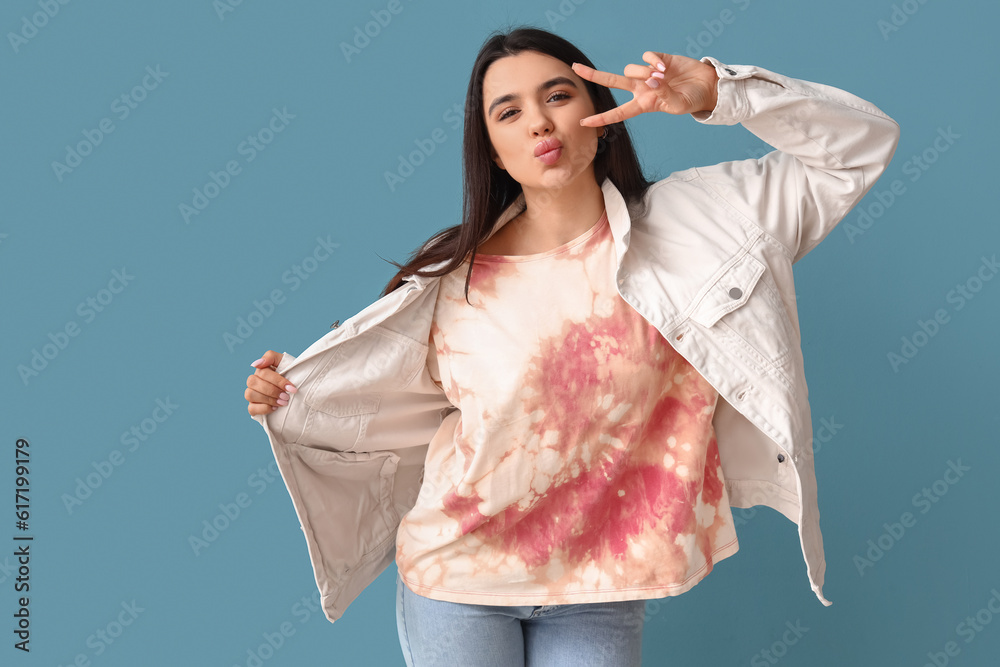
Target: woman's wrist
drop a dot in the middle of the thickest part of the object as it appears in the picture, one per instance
(713, 100)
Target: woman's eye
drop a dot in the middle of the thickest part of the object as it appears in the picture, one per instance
(506, 113)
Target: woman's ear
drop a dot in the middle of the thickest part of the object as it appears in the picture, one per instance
(499, 162)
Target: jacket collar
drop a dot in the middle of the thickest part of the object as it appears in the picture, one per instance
(614, 204)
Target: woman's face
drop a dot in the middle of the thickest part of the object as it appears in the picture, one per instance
(533, 98)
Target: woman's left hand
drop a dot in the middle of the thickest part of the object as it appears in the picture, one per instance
(670, 83)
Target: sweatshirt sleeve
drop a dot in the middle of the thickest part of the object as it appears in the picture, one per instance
(831, 148)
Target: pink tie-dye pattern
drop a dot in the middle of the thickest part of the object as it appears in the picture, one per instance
(616, 402)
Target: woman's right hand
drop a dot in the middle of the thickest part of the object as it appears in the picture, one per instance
(266, 390)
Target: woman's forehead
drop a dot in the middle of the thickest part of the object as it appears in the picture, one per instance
(521, 73)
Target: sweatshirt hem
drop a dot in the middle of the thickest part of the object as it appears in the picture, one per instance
(574, 597)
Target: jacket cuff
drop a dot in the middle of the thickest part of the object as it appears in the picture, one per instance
(732, 105)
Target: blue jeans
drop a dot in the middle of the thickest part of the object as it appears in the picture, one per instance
(434, 633)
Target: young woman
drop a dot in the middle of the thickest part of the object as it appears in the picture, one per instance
(546, 417)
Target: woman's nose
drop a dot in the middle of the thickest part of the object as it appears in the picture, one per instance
(540, 123)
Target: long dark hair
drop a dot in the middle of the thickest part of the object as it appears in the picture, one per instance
(488, 190)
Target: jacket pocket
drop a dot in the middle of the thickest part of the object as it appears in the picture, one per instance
(344, 502)
(744, 308)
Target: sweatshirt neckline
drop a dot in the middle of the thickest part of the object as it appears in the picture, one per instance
(559, 249)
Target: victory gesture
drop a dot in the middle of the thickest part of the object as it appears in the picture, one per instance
(671, 83)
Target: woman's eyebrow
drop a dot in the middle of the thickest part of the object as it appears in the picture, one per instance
(555, 81)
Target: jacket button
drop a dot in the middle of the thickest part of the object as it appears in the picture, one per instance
(735, 293)
(335, 324)
(730, 72)
(781, 458)
(679, 336)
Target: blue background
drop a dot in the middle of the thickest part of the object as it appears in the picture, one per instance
(161, 336)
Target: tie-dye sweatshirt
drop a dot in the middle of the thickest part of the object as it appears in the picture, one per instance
(581, 465)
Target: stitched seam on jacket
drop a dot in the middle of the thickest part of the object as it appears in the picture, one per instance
(721, 198)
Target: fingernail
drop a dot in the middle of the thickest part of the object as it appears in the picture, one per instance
(291, 389)
(652, 83)
(281, 402)
(658, 75)
(661, 67)
(254, 364)
(283, 396)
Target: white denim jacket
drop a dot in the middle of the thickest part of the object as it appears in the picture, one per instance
(709, 265)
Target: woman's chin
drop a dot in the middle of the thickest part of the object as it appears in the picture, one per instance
(553, 178)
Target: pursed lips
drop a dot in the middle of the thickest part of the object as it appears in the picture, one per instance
(548, 151)
(546, 145)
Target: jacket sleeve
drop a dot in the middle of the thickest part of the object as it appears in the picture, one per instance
(831, 148)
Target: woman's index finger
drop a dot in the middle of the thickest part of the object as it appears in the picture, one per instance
(273, 358)
(611, 116)
(606, 79)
